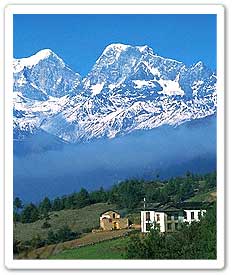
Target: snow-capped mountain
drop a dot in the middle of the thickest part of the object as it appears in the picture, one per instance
(129, 88)
(42, 75)
(42, 84)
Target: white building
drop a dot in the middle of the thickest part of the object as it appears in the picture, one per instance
(169, 217)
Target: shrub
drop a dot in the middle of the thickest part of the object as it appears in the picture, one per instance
(63, 234)
(46, 225)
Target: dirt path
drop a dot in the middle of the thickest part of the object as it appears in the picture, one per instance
(88, 239)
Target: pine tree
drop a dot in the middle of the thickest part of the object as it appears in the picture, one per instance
(30, 214)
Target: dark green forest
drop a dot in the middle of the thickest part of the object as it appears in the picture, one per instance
(127, 195)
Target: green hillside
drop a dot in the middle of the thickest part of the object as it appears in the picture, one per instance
(209, 196)
(79, 220)
(66, 222)
(111, 249)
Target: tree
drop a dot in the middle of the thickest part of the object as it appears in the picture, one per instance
(194, 241)
(45, 206)
(114, 194)
(30, 214)
(37, 242)
(16, 246)
(17, 204)
(211, 180)
(135, 248)
(46, 225)
(129, 194)
(16, 218)
(51, 238)
(82, 198)
(63, 234)
(57, 204)
(98, 196)
(145, 247)
(67, 202)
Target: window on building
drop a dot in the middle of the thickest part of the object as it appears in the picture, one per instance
(176, 216)
(113, 215)
(169, 226)
(158, 217)
(147, 216)
(199, 215)
(169, 217)
(185, 215)
(192, 215)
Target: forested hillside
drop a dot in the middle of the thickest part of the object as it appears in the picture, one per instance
(52, 221)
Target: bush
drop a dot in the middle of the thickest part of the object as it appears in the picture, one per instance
(16, 246)
(88, 230)
(195, 241)
(37, 242)
(63, 234)
(46, 225)
(30, 214)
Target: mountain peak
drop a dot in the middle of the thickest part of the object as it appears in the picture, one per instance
(119, 47)
(33, 60)
(145, 49)
(45, 53)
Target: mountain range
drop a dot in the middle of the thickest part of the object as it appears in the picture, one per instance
(135, 114)
(129, 88)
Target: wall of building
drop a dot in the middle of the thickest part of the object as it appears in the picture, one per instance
(153, 220)
(123, 223)
(105, 224)
(111, 220)
(162, 220)
(110, 215)
(165, 224)
(196, 218)
(144, 221)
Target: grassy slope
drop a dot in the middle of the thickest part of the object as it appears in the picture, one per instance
(111, 249)
(77, 220)
(209, 196)
(87, 240)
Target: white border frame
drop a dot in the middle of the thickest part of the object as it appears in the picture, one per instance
(10, 10)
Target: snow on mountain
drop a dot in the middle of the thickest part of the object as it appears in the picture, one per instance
(42, 75)
(31, 61)
(129, 88)
(30, 114)
(42, 84)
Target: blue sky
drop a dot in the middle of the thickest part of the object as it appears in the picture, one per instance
(80, 39)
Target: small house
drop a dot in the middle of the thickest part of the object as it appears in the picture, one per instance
(112, 220)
